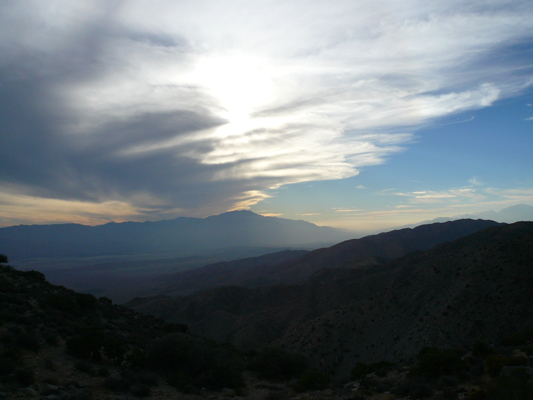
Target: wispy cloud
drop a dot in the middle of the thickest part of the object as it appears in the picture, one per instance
(200, 107)
(475, 181)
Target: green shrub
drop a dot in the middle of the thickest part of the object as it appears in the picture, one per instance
(495, 363)
(434, 362)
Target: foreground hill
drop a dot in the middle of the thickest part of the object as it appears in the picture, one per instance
(477, 287)
(286, 267)
(177, 236)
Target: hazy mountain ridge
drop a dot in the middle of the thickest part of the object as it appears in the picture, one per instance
(509, 215)
(245, 272)
(370, 250)
(181, 235)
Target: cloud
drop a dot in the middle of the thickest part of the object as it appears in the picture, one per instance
(529, 119)
(195, 108)
(474, 181)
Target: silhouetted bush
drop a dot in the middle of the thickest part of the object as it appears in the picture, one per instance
(25, 376)
(192, 361)
(115, 349)
(482, 350)
(380, 368)
(86, 302)
(278, 364)
(87, 345)
(312, 379)
(433, 362)
(61, 302)
(140, 390)
(175, 328)
(29, 341)
(518, 386)
(34, 276)
(117, 384)
(495, 363)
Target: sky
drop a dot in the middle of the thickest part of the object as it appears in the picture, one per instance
(355, 114)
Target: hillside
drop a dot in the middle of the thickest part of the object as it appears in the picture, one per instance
(477, 287)
(273, 269)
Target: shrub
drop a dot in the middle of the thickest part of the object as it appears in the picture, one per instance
(61, 302)
(312, 379)
(34, 276)
(482, 350)
(115, 349)
(516, 387)
(176, 328)
(495, 363)
(25, 376)
(192, 361)
(87, 345)
(277, 364)
(434, 362)
(141, 390)
(117, 384)
(29, 341)
(380, 368)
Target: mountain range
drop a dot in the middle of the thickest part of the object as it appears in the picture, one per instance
(509, 215)
(475, 287)
(293, 266)
(180, 236)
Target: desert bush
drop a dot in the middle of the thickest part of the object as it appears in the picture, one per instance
(84, 366)
(147, 378)
(192, 361)
(115, 350)
(25, 376)
(86, 302)
(175, 328)
(434, 362)
(312, 379)
(380, 368)
(117, 384)
(517, 387)
(278, 364)
(29, 341)
(482, 350)
(61, 302)
(34, 276)
(87, 345)
(140, 390)
(495, 363)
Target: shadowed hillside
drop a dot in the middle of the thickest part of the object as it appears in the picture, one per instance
(272, 269)
(477, 287)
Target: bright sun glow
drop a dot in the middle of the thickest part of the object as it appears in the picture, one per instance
(241, 85)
